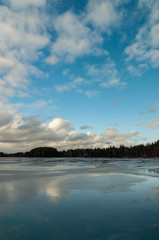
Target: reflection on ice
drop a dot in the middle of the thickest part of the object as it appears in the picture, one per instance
(53, 190)
(90, 199)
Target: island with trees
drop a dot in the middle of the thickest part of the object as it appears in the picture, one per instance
(150, 150)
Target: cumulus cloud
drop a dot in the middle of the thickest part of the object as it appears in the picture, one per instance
(78, 35)
(25, 133)
(23, 35)
(52, 59)
(111, 132)
(60, 124)
(145, 47)
(74, 38)
(103, 14)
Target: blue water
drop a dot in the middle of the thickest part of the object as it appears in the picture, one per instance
(79, 199)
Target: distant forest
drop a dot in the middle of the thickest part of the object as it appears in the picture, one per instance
(139, 151)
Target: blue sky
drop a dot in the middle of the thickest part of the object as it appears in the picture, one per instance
(78, 74)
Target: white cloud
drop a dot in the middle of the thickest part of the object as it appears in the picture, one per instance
(19, 4)
(103, 14)
(110, 133)
(7, 106)
(60, 124)
(52, 59)
(106, 74)
(113, 82)
(24, 30)
(91, 93)
(74, 38)
(75, 84)
(145, 47)
(23, 35)
(154, 36)
(137, 71)
(5, 90)
(78, 35)
(70, 85)
(39, 104)
(132, 133)
(25, 133)
(5, 63)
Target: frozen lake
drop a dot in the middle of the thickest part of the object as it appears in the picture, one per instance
(82, 199)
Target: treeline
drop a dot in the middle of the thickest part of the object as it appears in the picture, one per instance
(139, 151)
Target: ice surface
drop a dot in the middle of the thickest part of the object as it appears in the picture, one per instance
(83, 199)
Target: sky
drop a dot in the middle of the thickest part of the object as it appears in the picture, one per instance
(78, 74)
